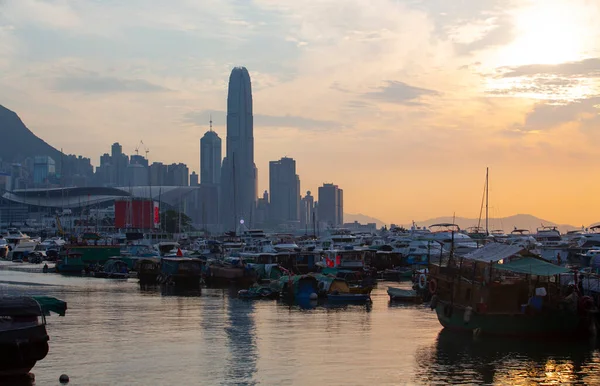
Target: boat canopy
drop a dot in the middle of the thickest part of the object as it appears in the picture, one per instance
(494, 252)
(49, 304)
(19, 306)
(532, 266)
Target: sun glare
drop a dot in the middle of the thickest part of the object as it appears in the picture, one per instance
(548, 32)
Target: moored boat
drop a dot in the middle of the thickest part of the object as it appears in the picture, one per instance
(23, 336)
(404, 295)
(502, 290)
(180, 272)
(147, 269)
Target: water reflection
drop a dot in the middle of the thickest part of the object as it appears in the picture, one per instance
(241, 336)
(459, 358)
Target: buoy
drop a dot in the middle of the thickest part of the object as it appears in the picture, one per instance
(313, 296)
(64, 378)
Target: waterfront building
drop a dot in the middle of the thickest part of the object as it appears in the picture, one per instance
(210, 158)
(194, 179)
(43, 168)
(178, 175)
(284, 187)
(331, 205)
(158, 174)
(307, 210)
(238, 171)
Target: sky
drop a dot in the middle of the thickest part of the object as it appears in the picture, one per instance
(402, 103)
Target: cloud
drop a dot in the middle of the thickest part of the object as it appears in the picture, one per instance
(502, 33)
(400, 93)
(547, 116)
(261, 120)
(97, 84)
(584, 68)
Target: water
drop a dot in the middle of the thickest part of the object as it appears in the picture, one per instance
(117, 333)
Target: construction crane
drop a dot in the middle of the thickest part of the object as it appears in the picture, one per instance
(137, 149)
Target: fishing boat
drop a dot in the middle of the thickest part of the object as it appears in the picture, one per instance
(404, 295)
(147, 269)
(503, 290)
(70, 263)
(230, 270)
(259, 292)
(23, 336)
(180, 272)
(299, 287)
(114, 269)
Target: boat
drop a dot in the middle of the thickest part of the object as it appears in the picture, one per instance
(23, 336)
(299, 287)
(180, 272)
(404, 295)
(504, 290)
(230, 270)
(20, 245)
(147, 269)
(114, 269)
(259, 292)
(70, 263)
(94, 254)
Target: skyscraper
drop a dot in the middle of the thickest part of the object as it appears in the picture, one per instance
(307, 209)
(284, 186)
(331, 205)
(210, 158)
(238, 172)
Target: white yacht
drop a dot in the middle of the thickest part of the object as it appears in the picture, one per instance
(549, 236)
(450, 234)
(19, 244)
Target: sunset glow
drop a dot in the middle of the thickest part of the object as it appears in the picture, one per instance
(402, 103)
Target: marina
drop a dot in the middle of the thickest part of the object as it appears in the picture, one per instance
(444, 297)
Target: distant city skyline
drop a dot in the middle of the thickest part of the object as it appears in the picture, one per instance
(402, 103)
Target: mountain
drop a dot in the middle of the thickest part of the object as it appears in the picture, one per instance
(363, 219)
(18, 142)
(522, 221)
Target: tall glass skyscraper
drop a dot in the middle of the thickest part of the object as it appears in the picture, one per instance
(238, 172)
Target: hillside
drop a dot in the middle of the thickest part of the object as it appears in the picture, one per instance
(523, 221)
(18, 142)
(363, 219)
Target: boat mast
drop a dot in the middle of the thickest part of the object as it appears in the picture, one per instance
(487, 194)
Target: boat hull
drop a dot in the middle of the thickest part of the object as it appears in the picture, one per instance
(558, 324)
(20, 349)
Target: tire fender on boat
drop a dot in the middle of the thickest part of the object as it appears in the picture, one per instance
(432, 286)
(422, 281)
(467, 315)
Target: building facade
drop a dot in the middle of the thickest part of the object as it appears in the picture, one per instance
(284, 188)
(331, 205)
(210, 158)
(238, 172)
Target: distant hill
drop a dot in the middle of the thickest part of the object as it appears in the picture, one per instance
(363, 219)
(18, 142)
(523, 221)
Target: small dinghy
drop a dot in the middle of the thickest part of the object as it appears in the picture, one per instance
(404, 295)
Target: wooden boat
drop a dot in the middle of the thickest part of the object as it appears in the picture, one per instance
(231, 270)
(180, 272)
(147, 269)
(297, 287)
(259, 292)
(114, 269)
(501, 290)
(404, 295)
(23, 336)
(70, 263)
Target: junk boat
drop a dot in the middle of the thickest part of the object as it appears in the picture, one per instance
(503, 290)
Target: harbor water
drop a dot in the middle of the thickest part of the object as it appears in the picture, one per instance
(116, 332)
